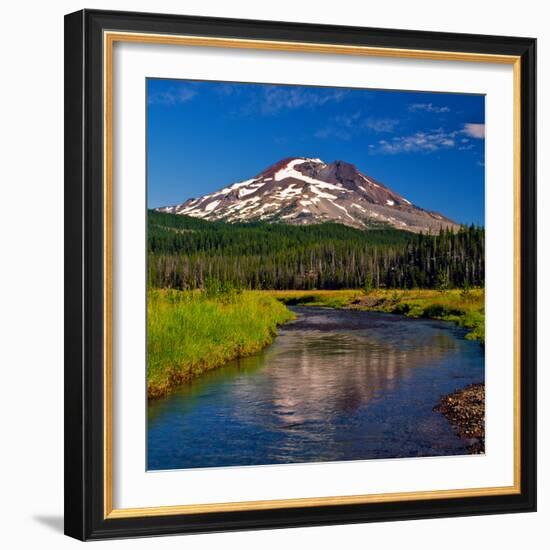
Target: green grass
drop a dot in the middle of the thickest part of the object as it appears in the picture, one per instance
(191, 332)
(320, 298)
(464, 307)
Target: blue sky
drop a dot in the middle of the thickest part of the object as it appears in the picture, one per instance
(202, 136)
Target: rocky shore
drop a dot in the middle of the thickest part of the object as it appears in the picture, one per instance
(465, 410)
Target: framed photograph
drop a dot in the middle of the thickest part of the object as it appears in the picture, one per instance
(300, 274)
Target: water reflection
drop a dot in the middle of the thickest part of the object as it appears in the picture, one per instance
(335, 385)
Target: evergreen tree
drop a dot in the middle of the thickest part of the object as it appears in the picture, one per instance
(184, 252)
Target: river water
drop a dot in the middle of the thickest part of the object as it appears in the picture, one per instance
(334, 385)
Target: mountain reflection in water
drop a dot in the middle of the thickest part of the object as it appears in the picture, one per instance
(334, 385)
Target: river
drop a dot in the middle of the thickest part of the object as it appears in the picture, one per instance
(334, 385)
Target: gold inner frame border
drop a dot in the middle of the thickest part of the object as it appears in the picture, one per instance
(109, 39)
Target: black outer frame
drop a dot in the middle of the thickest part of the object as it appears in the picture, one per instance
(84, 413)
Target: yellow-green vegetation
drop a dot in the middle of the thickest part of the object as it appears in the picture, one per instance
(191, 332)
(320, 298)
(465, 307)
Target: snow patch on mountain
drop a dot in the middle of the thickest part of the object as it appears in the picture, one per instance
(308, 190)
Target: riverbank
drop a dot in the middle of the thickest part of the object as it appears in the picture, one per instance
(191, 332)
(335, 384)
(465, 410)
(464, 307)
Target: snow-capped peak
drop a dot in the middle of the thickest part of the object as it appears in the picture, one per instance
(302, 190)
(289, 171)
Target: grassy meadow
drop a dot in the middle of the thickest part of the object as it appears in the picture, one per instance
(191, 332)
(320, 298)
(465, 307)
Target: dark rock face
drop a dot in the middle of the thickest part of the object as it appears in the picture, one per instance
(305, 191)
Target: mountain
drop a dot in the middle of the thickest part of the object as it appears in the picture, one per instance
(304, 191)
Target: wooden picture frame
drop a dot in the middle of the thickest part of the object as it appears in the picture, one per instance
(89, 39)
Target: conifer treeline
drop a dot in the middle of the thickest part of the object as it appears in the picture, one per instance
(185, 252)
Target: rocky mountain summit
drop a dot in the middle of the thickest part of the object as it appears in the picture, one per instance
(302, 190)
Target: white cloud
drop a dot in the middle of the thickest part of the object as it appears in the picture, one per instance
(349, 121)
(381, 124)
(172, 96)
(426, 142)
(346, 125)
(428, 107)
(277, 98)
(474, 130)
(431, 140)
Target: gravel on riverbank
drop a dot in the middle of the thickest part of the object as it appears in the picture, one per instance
(465, 410)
